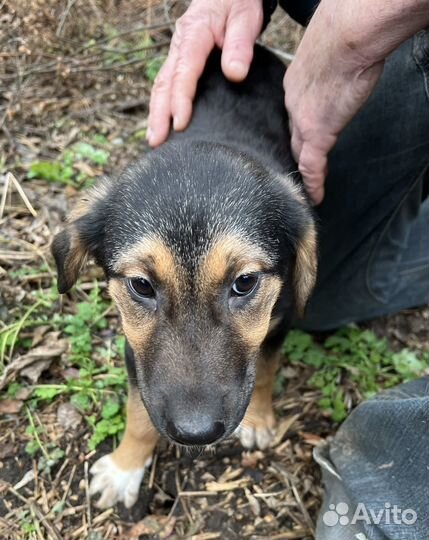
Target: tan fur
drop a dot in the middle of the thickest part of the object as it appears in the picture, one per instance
(230, 251)
(260, 414)
(253, 323)
(138, 324)
(96, 193)
(151, 256)
(140, 436)
(233, 255)
(76, 256)
(305, 268)
(77, 253)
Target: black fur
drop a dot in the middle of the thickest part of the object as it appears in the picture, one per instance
(226, 173)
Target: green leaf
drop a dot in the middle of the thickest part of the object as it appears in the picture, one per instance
(32, 447)
(13, 389)
(47, 393)
(407, 364)
(110, 408)
(153, 67)
(120, 345)
(51, 171)
(81, 401)
(86, 151)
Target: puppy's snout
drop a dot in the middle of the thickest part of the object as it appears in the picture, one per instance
(195, 430)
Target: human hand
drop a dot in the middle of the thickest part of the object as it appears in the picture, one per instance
(231, 25)
(326, 84)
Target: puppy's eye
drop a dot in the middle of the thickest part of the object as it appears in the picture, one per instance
(141, 287)
(244, 284)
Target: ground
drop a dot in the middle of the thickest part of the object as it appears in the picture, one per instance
(75, 80)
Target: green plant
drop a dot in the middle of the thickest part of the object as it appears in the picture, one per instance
(29, 271)
(29, 525)
(111, 423)
(98, 391)
(10, 334)
(66, 169)
(89, 316)
(50, 452)
(153, 66)
(352, 358)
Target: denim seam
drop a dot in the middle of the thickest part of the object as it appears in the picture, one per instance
(421, 55)
(415, 269)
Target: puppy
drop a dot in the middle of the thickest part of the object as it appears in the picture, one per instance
(208, 245)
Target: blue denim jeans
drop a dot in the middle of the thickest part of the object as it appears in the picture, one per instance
(374, 221)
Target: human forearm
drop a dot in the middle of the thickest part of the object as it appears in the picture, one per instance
(336, 68)
(372, 29)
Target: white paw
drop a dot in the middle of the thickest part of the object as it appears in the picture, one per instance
(255, 436)
(115, 484)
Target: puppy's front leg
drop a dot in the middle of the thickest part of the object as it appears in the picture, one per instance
(118, 476)
(258, 425)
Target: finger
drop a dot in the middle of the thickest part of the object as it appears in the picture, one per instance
(196, 41)
(160, 100)
(242, 28)
(313, 166)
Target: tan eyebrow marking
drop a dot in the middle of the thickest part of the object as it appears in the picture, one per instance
(231, 252)
(153, 256)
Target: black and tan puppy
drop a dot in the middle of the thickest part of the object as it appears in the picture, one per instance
(209, 248)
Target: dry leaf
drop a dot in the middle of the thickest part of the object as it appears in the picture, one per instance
(68, 417)
(26, 479)
(51, 348)
(33, 372)
(255, 507)
(10, 406)
(311, 438)
(39, 334)
(228, 486)
(283, 427)
(24, 393)
(251, 459)
(7, 450)
(161, 526)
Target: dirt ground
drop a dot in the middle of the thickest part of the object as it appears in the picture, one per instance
(73, 71)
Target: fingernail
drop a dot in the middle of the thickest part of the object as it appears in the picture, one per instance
(149, 134)
(176, 123)
(238, 68)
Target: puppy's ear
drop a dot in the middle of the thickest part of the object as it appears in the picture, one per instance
(69, 253)
(305, 270)
(81, 237)
(305, 267)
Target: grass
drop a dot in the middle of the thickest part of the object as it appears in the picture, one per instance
(97, 392)
(73, 166)
(346, 367)
(351, 362)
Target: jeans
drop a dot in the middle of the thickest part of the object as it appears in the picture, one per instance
(376, 470)
(374, 220)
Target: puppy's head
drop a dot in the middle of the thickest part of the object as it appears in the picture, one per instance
(200, 247)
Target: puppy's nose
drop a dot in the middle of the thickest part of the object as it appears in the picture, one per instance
(196, 433)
